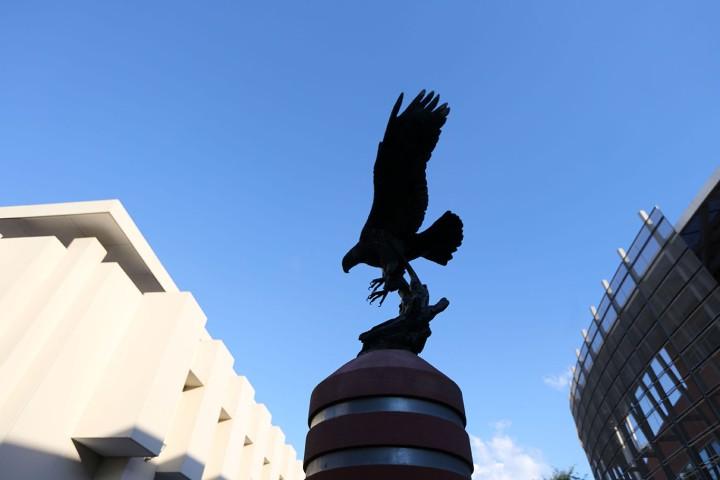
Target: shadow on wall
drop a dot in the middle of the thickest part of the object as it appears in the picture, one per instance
(78, 462)
(22, 462)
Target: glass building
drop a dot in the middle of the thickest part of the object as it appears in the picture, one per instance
(645, 394)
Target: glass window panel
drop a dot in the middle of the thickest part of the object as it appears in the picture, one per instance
(714, 400)
(675, 249)
(665, 229)
(647, 381)
(710, 457)
(656, 216)
(656, 367)
(592, 329)
(681, 338)
(702, 316)
(634, 304)
(655, 337)
(608, 320)
(597, 343)
(641, 265)
(646, 256)
(688, 266)
(697, 421)
(618, 277)
(645, 320)
(626, 375)
(639, 392)
(634, 334)
(638, 244)
(588, 363)
(631, 423)
(645, 405)
(691, 356)
(669, 287)
(713, 204)
(655, 421)
(682, 403)
(685, 307)
(709, 341)
(667, 383)
(702, 284)
(639, 439)
(688, 470)
(617, 473)
(650, 249)
(692, 238)
(709, 373)
(604, 304)
(664, 356)
(674, 396)
(624, 291)
(667, 445)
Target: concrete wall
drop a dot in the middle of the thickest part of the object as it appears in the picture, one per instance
(99, 380)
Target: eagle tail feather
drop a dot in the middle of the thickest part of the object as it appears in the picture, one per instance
(441, 239)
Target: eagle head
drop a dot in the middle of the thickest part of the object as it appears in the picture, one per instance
(351, 259)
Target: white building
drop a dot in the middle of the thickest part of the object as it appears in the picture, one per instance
(106, 369)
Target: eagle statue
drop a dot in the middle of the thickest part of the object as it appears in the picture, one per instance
(390, 239)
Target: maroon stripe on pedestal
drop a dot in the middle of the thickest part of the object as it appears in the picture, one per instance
(389, 429)
(386, 472)
(387, 381)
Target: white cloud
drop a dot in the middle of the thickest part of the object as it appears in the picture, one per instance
(500, 458)
(559, 382)
(502, 425)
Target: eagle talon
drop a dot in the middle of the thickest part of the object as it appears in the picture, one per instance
(375, 284)
(381, 294)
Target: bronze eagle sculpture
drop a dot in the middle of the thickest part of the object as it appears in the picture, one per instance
(390, 239)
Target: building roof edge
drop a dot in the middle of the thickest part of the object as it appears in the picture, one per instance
(106, 220)
(698, 200)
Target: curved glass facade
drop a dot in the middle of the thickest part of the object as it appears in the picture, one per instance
(646, 389)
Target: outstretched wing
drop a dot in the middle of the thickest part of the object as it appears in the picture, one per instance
(401, 194)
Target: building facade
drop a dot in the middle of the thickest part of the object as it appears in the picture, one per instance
(107, 369)
(645, 394)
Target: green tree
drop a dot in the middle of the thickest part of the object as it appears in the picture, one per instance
(568, 474)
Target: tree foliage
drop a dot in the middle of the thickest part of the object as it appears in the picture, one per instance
(568, 474)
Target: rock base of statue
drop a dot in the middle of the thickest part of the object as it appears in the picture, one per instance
(409, 330)
(387, 415)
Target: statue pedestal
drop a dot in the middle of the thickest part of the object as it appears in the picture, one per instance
(387, 415)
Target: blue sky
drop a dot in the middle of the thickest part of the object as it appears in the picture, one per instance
(241, 138)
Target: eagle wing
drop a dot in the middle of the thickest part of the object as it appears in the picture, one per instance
(401, 193)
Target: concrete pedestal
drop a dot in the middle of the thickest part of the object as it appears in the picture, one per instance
(387, 414)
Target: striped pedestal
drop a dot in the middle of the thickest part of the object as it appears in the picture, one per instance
(387, 414)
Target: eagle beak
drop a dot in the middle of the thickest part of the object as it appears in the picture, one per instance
(347, 264)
